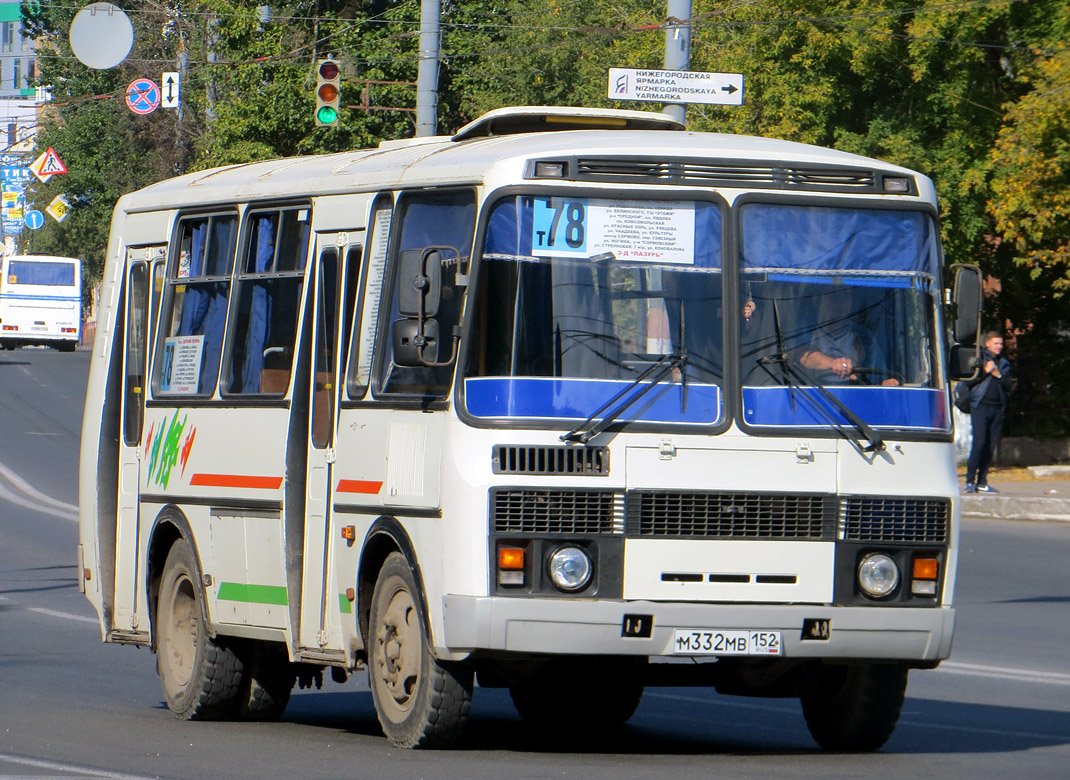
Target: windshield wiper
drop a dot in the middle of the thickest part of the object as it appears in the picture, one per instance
(657, 372)
(795, 377)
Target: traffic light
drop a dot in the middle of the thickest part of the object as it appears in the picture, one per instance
(328, 91)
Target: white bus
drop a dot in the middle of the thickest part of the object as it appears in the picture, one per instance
(529, 406)
(40, 301)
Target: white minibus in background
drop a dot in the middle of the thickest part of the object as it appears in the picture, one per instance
(573, 402)
(40, 301)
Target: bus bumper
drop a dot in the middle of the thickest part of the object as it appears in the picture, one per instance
(599, 627)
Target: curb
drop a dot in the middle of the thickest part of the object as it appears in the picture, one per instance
(1016, 508)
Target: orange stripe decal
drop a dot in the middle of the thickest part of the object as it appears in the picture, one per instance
(236, 481)
(359, 486)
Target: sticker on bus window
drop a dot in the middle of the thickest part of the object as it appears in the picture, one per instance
(658, 231)
(183, 264)
(181, 364)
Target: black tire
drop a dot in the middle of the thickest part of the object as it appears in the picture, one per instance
(600, 700)
(202, 676)
(67, 346)
(852, 708)
(420, 701)
(267, 682)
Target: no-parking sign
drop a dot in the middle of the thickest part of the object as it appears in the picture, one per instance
(143, 96)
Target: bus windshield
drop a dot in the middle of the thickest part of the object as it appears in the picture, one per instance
(578, 297)
(848, 298)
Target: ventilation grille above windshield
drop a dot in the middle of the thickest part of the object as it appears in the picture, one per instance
(730, 173)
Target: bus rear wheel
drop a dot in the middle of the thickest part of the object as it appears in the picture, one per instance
(267, 682)
(420, 701)
(201, 676)
(852, 708)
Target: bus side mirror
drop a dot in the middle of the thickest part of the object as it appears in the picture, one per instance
(419, 279)
(413, 347)
(967, 298)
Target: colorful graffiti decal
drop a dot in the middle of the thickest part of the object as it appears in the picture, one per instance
(165, 450)
(186, 447)
(148, 439)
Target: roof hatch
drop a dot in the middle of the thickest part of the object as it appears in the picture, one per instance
(539, 119)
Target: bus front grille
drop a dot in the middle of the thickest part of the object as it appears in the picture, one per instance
(895, 519)
(669, 514)
(570, 512)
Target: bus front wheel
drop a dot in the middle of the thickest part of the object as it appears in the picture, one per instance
(201, 676)
(852, 708)
(420, 701)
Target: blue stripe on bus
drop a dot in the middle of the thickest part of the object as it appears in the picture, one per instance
(22, 297)
(557, 398)
(886, 407)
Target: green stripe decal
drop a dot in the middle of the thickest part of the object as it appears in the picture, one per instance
(253, 594)
(344, 604)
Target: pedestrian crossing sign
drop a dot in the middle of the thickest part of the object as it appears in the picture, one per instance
(48, 165)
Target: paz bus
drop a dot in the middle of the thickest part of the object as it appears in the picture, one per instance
(532, 406)
(40, 301)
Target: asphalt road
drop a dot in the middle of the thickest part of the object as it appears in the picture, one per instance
(71, 706)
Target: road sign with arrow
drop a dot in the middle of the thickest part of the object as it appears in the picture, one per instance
(676, 86)
(169, 81)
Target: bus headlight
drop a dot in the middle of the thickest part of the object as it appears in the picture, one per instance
(878, 575)
(570, 568)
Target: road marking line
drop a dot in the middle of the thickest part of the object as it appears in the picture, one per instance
(64, 615)
(65, 767)
(1000, 732)
(1005, 673)
(905, 720)
(32, 498)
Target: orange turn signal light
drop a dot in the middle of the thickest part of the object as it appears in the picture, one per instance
(926, 568)
(349, 532)
(510, 557)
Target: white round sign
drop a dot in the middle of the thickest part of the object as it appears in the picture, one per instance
(102, 36)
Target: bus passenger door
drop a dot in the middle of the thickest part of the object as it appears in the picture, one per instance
(142, 265)
(319, 627)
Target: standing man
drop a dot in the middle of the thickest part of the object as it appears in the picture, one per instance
(988, 397)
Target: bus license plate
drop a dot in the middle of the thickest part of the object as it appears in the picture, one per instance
(739, 642)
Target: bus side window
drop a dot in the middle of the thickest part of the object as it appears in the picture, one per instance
(441, 219)
(365, 311)
(267, 298)
(137, 312)
(195, 309)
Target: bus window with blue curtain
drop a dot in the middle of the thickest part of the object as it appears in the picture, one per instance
(267, 299)
(195, 320)
(850, 294)
(578, 297)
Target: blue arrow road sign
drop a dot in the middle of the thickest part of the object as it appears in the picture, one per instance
(34, 219)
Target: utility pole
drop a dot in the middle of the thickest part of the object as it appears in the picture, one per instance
(427, 74)
(678, 49)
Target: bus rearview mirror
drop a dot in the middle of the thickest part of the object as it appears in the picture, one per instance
(419, 278)
(967, 296)
(413, 348)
